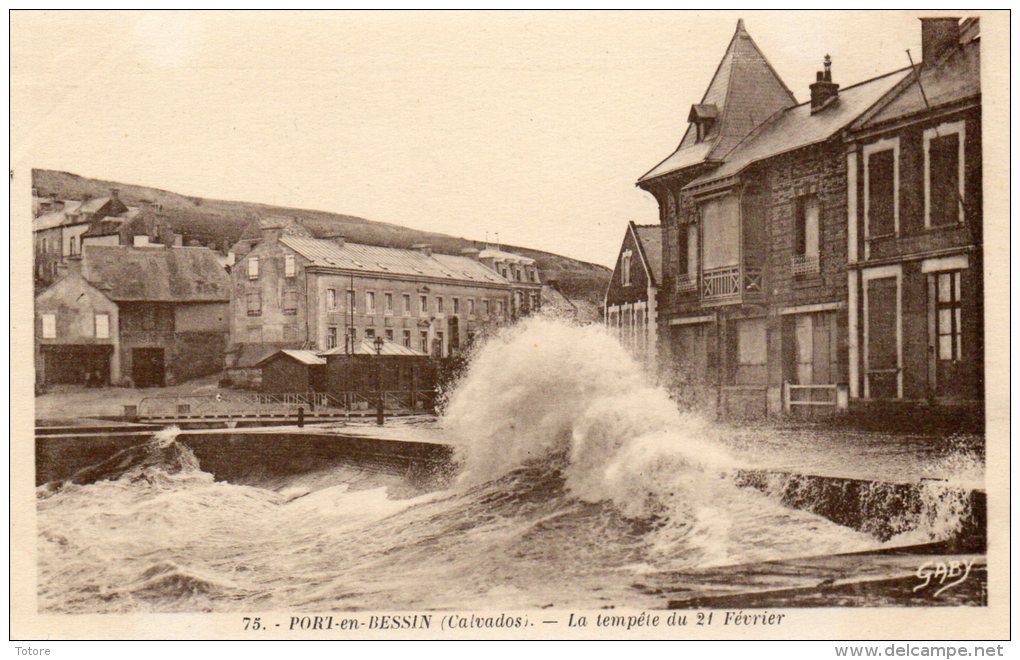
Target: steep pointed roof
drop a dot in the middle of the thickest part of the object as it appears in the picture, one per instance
(744, 92)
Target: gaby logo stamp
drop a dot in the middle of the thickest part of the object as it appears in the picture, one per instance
(943, 575)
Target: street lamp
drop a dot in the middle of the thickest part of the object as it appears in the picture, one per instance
(378, 343)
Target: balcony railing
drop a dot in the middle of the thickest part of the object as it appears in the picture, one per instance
(685, 283)
(804, 264)
(721, 284)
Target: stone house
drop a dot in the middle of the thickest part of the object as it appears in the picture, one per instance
(753, 300)
(142, 316)
(632, 294)
(319, 294)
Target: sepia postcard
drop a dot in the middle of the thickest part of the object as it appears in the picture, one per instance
(510, 325)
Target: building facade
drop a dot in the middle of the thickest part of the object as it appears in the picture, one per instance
(320, 294)
(147, 317)
(755, 316)
(916, 329)
(522, 274)
(631, 298)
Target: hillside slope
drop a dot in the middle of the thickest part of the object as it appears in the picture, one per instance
(219, 222)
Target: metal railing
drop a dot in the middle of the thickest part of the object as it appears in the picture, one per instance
(257, 404)
(804, 264)
(685, 283)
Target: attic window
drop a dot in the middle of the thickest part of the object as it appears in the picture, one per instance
(703, 116)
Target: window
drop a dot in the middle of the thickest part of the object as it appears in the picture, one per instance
(255, 304)
(499, 308)
(456, 305)
(102, 326)
(49, 326)
(439, 305)
(439, 344)
(423, 341)
(389, 334)
(331, 337)
(407, 304)
(424, 304)
(485, 308)
(388, 302)
(881, 188)
(289, 267)
(805, 235)
(331, 299)
(253, 268)
(352, 301)
(948, 319)
(625, 268)
(471, 306)
(517, 272)
(943, 181)
(534, 275)
(369, 333)
(721, 232)
(407, 338)
(290, 302)
(370, 302)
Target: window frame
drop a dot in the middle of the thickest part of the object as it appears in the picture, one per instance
(625, 263)
(945, 129)
(253, 268)
(331, 300)
(868, 150)
(289, 265)
(96, 316)
(52, 325)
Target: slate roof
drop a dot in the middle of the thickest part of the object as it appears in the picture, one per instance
(796, 127)
(955, 78)
(108, 226)
(649, 239)
(180, 274)
(396, 261)
(745, 91)
(55, 218)
(367, 347)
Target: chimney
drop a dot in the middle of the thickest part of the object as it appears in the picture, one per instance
(339, 239)
(824, 92)
(470, 253)
(938, 37)
(271, 232)
(115, 194)
(424, 248)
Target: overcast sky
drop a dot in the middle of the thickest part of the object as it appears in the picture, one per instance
(533, 125)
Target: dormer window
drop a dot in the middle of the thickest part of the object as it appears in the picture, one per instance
(703, 116)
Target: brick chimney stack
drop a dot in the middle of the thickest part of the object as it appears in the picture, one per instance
(271, 232)
(824, 92)
(938, 36)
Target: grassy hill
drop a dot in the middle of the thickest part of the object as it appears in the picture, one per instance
(218, 222)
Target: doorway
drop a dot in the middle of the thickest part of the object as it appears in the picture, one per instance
(147, 367)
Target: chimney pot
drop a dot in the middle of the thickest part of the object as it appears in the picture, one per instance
(823, 91)
(939, 35)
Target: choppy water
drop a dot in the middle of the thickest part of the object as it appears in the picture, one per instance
(578, 480)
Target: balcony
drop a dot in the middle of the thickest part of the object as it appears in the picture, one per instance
(686, 283)
(730, 285)
(804, 264)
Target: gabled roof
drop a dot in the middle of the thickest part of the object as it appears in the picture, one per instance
(367, 347)
(955, 78)
(649, 241)
(745, 91)
(128, 274)
(108, 226)
(375, 259)
(310, 358)
(55, 218)
(796, 127)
